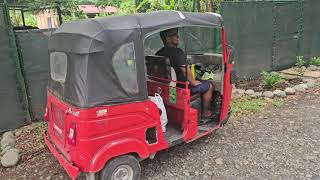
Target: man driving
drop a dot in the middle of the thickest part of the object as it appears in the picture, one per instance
(178, 61)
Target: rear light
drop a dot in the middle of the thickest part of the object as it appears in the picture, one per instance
(72, 134)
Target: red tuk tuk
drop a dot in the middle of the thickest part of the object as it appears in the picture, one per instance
(100, 119)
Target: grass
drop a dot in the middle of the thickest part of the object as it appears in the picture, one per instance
(277, 102)
(246, 105)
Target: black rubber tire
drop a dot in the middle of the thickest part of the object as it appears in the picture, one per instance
(111, 166)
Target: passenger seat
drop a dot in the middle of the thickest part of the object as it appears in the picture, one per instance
(160, 67)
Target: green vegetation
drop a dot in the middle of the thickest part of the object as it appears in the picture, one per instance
(16, 18)
(70, 7)
(246, 105)
(271, 79)
(277, 102)
(315, 61)
(299, 66)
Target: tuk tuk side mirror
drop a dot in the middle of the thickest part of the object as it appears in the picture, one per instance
(230, 54)
(231, 57)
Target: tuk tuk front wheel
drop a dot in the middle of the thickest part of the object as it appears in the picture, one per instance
(124, 167)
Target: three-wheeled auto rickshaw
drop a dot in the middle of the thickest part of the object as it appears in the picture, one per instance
(101, 121)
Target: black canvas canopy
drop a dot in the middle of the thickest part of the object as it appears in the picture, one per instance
(101, 61)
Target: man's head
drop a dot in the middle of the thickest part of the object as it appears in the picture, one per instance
(170, 37)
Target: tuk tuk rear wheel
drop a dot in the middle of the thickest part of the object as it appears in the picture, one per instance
(124, 167)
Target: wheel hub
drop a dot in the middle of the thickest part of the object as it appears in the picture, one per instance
(123, 172)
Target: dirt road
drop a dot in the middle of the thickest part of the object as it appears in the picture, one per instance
(279, 143)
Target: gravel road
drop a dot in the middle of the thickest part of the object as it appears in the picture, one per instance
(279, 143)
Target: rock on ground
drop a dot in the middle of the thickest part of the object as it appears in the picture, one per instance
(304, 86)
(10, 158)
(249, 92)
(311, 84)
(274, 73)
(257, 94)
(219, 161)
(7, 136)
(299, 88)
(268, 94)
(4, 150)
(279, 93)
(290, 91)
(313, 68)
(240, 91)
(8, 142)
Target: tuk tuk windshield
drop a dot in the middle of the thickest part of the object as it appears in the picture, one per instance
(193, 40)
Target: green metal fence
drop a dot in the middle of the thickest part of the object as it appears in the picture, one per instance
(310, 29)
(268, 35)
(249, 29)
(33, 47)
(13, 100)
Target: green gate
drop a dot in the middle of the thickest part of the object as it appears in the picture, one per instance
(287, 32)
(249, 28)
(12, 90)
(269, 35)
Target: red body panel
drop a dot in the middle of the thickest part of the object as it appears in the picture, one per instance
(120, 131)
(227, 89)
(71, 170)
(106, 132)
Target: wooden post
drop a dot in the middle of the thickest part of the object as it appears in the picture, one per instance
(59, 12)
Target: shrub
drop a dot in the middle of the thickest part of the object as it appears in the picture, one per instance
(271, 79)
(315, 61)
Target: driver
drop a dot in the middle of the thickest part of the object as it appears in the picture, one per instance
(177, 59)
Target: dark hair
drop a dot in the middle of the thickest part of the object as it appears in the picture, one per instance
(164, 34)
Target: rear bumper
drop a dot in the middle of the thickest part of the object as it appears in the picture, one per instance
(71, 170)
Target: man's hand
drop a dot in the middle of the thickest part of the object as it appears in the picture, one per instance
(195, 82)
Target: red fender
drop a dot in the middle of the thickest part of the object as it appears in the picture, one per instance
(117, 148)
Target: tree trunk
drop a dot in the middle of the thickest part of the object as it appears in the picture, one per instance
(198, 5)
(194, 5)
(209, 5)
